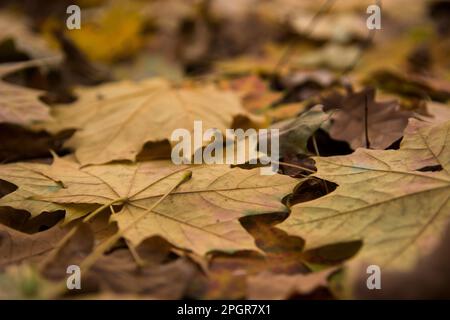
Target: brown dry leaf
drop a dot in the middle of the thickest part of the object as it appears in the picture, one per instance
(97, 95)
(20, 105)
(270, 286)
(201, 215)
(386, 121)
(428, 280)
(17, 29)
(436, 112)
(412, 84)
(294, 133)
(286, 111)
(222, 284)
(19, 143)
(255, 93)
(17, 247)
(118, 272)
(116, 120)
(227, 273)
(251, 64)
(396, 201)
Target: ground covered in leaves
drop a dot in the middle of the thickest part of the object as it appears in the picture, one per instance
(86, 177)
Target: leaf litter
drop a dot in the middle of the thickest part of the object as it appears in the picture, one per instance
(364, 158)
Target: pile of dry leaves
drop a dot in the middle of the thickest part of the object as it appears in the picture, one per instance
(86, 178)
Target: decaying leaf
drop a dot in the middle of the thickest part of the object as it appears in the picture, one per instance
(294, 133)
(20, 105)
(286, 111)
(411, 84)
(385, 120)
(302, 85)
(279, 286)
(19, 143)
(437, 112)
(255, 93)
(17, 29)
(144, 228)
(428, 280)
(116, 120)
(16, 247)
(118, 272)
(201, 215)
(394, 200)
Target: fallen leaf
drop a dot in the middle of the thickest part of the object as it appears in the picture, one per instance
(428, 280)
(390, 200)
(224, 284)
(116, 120)
(436, 112)
(17, 247)
(302, 85)
(269, 286)
(17, 29)
(385, 120)
(245, 64)
(286, 111)
(201, 215)
(19, 143)
(255, 93)
(112, 33)
(294, 133)
(118, 272)
(20, 105)
(412, 84)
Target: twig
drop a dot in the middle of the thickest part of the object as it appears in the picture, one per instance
(316, 149)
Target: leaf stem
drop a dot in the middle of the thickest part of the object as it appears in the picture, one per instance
(294, 166)
(316, 148)
(366, 122)
(90, 216)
